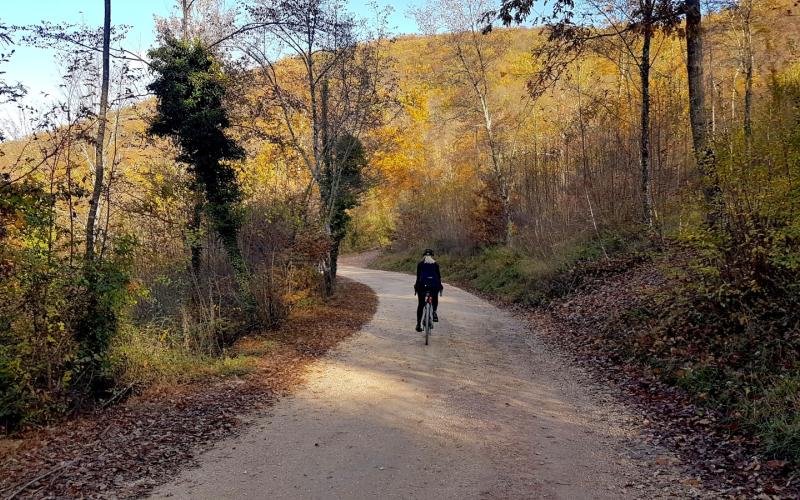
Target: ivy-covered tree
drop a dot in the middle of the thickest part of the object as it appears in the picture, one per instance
(343, 182)
(190, 87)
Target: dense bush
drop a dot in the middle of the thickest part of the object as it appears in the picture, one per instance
(58, 313)
(72, 331)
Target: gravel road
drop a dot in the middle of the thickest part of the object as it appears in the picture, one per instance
(485, 411)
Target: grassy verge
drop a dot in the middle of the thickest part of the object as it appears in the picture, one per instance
(142, 357)
(148, 356)
(513, 276)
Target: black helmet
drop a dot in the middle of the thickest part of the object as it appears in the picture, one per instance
(427, 251)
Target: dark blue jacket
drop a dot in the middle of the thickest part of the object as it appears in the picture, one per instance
(429, 279)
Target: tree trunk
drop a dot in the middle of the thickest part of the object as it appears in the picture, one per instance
(327, 191)
(644, 143)
(585, 165)
(102, 116)
(748, 101)
(748, 83)
(316, 150)
(714, 92)
(704, 154)
(498, 172)
(694, 69)
(508, 214)
(195, 246)
(227, 225)
(186, 6)
(331, 266)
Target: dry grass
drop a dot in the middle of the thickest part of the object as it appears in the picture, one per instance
(147, 359)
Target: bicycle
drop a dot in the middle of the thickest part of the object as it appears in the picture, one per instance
(427, 316)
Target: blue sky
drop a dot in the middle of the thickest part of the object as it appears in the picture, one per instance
(35, 67)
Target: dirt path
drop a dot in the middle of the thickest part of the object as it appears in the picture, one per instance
(485, 411)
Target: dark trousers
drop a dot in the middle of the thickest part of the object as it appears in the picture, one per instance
(421, 304)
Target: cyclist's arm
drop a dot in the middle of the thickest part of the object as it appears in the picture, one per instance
(439, 276)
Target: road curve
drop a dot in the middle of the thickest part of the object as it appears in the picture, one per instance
(482, 412)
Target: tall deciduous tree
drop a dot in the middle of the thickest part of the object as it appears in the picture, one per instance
(698, 112)
(102, 118)
(338, 91)
(743, 13)
(346, 174)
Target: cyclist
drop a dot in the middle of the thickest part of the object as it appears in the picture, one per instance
(429, 279)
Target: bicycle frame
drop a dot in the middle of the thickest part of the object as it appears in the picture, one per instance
(427, 316)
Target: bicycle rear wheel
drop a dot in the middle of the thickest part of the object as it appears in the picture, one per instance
(428, 322)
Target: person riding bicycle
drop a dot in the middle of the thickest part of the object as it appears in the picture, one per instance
(429, 279)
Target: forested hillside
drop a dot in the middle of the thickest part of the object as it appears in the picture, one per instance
(570, 147)
(166, 205)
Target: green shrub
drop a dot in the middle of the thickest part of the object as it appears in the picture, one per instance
(58, 315)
